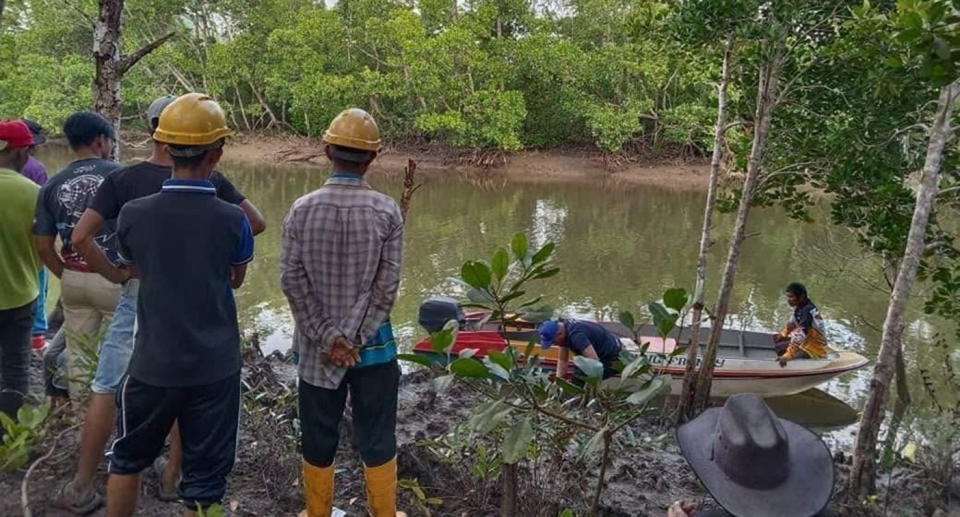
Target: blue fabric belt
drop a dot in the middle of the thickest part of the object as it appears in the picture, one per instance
(381, 349)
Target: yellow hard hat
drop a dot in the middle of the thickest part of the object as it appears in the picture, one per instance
(354, 128)
(193, 119)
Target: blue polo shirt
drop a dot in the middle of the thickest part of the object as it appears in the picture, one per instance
(182, 243)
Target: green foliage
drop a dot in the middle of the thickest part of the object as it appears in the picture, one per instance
(676, 299)
(214, 510)
(666, 313)
(21, 435)
(930, 31)
(502, 74)
(65, 87)
(423, 502)
(861, 125)
(522, 402)
(87, 350)
(592, 368)
(612, 126)
(499, 285)
(523, 405)
(517, 440)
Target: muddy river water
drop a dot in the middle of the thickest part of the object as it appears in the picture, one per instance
(618, 248)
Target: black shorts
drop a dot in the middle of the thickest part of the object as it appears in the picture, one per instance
(373, 396)
(208, 416)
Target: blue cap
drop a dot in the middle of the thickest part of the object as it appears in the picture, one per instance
(548, 333)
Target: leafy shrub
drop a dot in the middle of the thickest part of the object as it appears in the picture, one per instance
(21, 435)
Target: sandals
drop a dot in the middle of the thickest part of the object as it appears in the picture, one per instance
(84, 506)
(169, 496)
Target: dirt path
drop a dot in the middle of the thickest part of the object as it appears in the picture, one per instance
(525, 166)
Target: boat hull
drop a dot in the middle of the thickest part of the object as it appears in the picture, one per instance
(733, 374)
(762, 386)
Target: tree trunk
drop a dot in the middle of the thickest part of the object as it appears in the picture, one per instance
(690, 372)
(766, 101)
(508, 501)
(243, 112)
(903, 396)
(106, 54)
(266, 106)
(2, 2)
(409, 187)
(601, 477)
(863, 472)
(110, 67)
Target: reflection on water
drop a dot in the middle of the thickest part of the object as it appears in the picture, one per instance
(617, 248)
(815, 409)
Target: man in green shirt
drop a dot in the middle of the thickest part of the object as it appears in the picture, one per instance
(19, 265)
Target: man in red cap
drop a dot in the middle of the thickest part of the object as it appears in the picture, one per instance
(19, 264)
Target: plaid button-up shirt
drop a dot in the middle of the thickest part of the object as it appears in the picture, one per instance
(340, 270)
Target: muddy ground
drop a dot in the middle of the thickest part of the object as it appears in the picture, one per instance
(646, 474)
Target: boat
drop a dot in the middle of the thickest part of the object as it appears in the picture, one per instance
(746, 361)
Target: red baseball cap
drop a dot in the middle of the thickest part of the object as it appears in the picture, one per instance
(15, 133)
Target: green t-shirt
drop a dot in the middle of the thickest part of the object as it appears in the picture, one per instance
(19, 262)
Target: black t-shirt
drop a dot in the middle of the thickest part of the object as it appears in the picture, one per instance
(182, 243)
(143, 179)
(582, 334)
(62, 201)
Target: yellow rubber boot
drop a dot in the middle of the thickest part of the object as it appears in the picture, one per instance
(382, 490)
(318, 489)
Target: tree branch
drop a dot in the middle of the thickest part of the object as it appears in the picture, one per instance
(948, 190)
(180, 78)
(127, 62)
(732, 125)
(793, 168)
(532, 400)
(74, 7)
(25, 484)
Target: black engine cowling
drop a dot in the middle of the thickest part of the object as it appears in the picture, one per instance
(436, 311)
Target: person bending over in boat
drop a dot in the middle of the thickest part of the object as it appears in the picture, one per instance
(804, 336)
(584, 338)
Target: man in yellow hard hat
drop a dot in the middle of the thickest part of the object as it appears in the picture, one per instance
(188, 248)
(340, 270)
(134, 181)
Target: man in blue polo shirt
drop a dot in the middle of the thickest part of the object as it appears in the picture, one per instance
(132, 182)
(188, 248)
(584, 338)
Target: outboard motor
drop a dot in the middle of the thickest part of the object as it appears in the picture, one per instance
(436, 311)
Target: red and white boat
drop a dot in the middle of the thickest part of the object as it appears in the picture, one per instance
(746, 361)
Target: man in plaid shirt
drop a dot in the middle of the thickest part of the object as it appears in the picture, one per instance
(340, 270)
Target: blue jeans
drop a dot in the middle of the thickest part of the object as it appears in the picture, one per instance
(40, 318)
(117, 344)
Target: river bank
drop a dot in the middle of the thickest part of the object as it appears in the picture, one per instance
(550, 166)
(442, 471)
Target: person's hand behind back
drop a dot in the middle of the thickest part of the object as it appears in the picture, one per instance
(343, 353)
(681, 509)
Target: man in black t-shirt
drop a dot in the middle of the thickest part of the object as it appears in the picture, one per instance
(88, 300)
(584, 338)
(124, 185)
